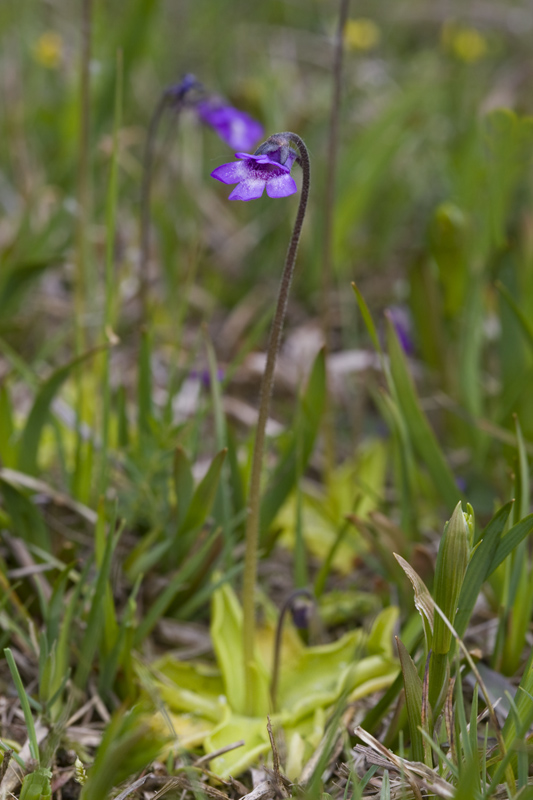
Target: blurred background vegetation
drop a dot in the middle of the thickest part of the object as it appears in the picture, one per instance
(433, 221)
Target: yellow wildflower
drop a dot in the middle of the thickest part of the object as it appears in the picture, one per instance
(48, 50)
(361, 34)
(466, 44)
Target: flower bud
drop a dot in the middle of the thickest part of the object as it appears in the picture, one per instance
(452, 561)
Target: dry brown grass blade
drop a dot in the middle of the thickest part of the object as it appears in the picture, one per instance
(220, 752)
(423, 600)
(36, 485)
(419, 777)
(448, 721)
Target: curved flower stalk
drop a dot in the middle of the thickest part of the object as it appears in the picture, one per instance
(268, 167)
(236, 128)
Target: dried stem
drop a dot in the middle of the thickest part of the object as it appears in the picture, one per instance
(329, 203)
(146, 187)
(81, 286)
(252, 524)
(83, 174)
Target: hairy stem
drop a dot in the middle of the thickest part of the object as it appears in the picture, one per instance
(252, 523)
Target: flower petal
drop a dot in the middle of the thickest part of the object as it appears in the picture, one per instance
(281, 186)
(241, 131)
(249, 189)
(263, 160)
(291, 158)
(230, 173)
(234, 127)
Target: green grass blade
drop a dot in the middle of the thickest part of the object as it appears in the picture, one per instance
(176, 584)
(39, 414)
(413, 699)
(144, 388)
(23, 697)
(92, 635)
(422, 436)
(511, 540)
(479, 567)
(309, 416)
(8, 450)
(183, 483)
(222, 505)
(367, 319)
(111, 662)
(109, 621)
(521, 318)
(65, 639)
(26, 520)
(203, 497)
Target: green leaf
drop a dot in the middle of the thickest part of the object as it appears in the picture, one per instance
(92, 635)
(423, 600)
(183, 482)
(25, 705)
(73, 611)
(109, 621)
(448, 239)
(190, 688)
(413, 700)
(203, 497)
(39, 414)
(422, 436)
(508, 139)
(26, 520)
(227, 636)
(479, 567)
(508, 542)
(110, 662)
(521, 318)
(176, 584)
(144, 388)
(367, 319)
(300, 447)
(8, 450)
(130, 742)
(522, 497)
(450, 570)
(36, 785)
(56, 604)
(235, 728)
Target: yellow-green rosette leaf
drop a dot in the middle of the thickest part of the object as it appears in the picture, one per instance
(36, 785)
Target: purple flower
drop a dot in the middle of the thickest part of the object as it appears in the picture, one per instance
(234, 127)
(403, 327)
(205, 377)
(254, 172)
(238, 129)
(176, 94)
